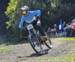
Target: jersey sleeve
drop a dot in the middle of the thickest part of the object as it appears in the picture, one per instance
(38, 13)
(21, 22)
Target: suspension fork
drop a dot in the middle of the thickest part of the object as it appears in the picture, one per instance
(32, 32)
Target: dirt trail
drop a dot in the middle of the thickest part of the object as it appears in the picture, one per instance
(24, 52)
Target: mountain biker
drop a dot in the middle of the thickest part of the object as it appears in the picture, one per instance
(31, 17)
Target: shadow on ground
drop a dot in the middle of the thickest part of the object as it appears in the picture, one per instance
(36, 55)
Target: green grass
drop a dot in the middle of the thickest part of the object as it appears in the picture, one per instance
(67, 58)
(4, 49)
(65, 39)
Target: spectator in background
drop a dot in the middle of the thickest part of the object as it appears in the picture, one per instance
(54, 30)
(64, 31)
(49, 31)
(64, 24)
(68, 30)
(60, 25)
(73, 27)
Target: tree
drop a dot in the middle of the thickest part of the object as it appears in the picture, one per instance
(52, 11)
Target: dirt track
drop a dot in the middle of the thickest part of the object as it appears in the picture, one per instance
(24, 52)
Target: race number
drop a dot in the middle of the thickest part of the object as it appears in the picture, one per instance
(30, 26)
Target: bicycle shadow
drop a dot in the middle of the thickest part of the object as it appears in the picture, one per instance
(36, 55)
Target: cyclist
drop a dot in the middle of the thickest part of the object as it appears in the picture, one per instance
(31, 17)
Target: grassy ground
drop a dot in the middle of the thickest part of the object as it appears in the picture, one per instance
(4, 49)
(65, 39)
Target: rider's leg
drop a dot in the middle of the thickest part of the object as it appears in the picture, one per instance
(40, 29)
(43, 35)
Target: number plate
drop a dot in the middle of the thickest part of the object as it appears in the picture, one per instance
(30, 26)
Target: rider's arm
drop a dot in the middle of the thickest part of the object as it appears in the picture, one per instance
(21, 22)
(38, 14)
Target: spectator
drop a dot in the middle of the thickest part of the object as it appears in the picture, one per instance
(64, 24)
(68, 30)
(64, 31)
(48, 31)
(54, 30)
(60, 25)
(73, 27)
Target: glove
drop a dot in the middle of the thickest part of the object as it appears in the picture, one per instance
(34, 18)
(38, 22)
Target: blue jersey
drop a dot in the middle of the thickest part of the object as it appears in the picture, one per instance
(29, 18)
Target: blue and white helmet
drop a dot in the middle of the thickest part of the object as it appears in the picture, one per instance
(25, 8)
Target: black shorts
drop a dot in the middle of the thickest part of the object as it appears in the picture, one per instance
(38, 27)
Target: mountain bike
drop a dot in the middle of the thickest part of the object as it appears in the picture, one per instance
(36, 40)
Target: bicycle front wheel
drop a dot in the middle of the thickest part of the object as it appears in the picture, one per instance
(36, 45)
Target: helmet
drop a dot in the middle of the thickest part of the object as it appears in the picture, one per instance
(25, 8)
